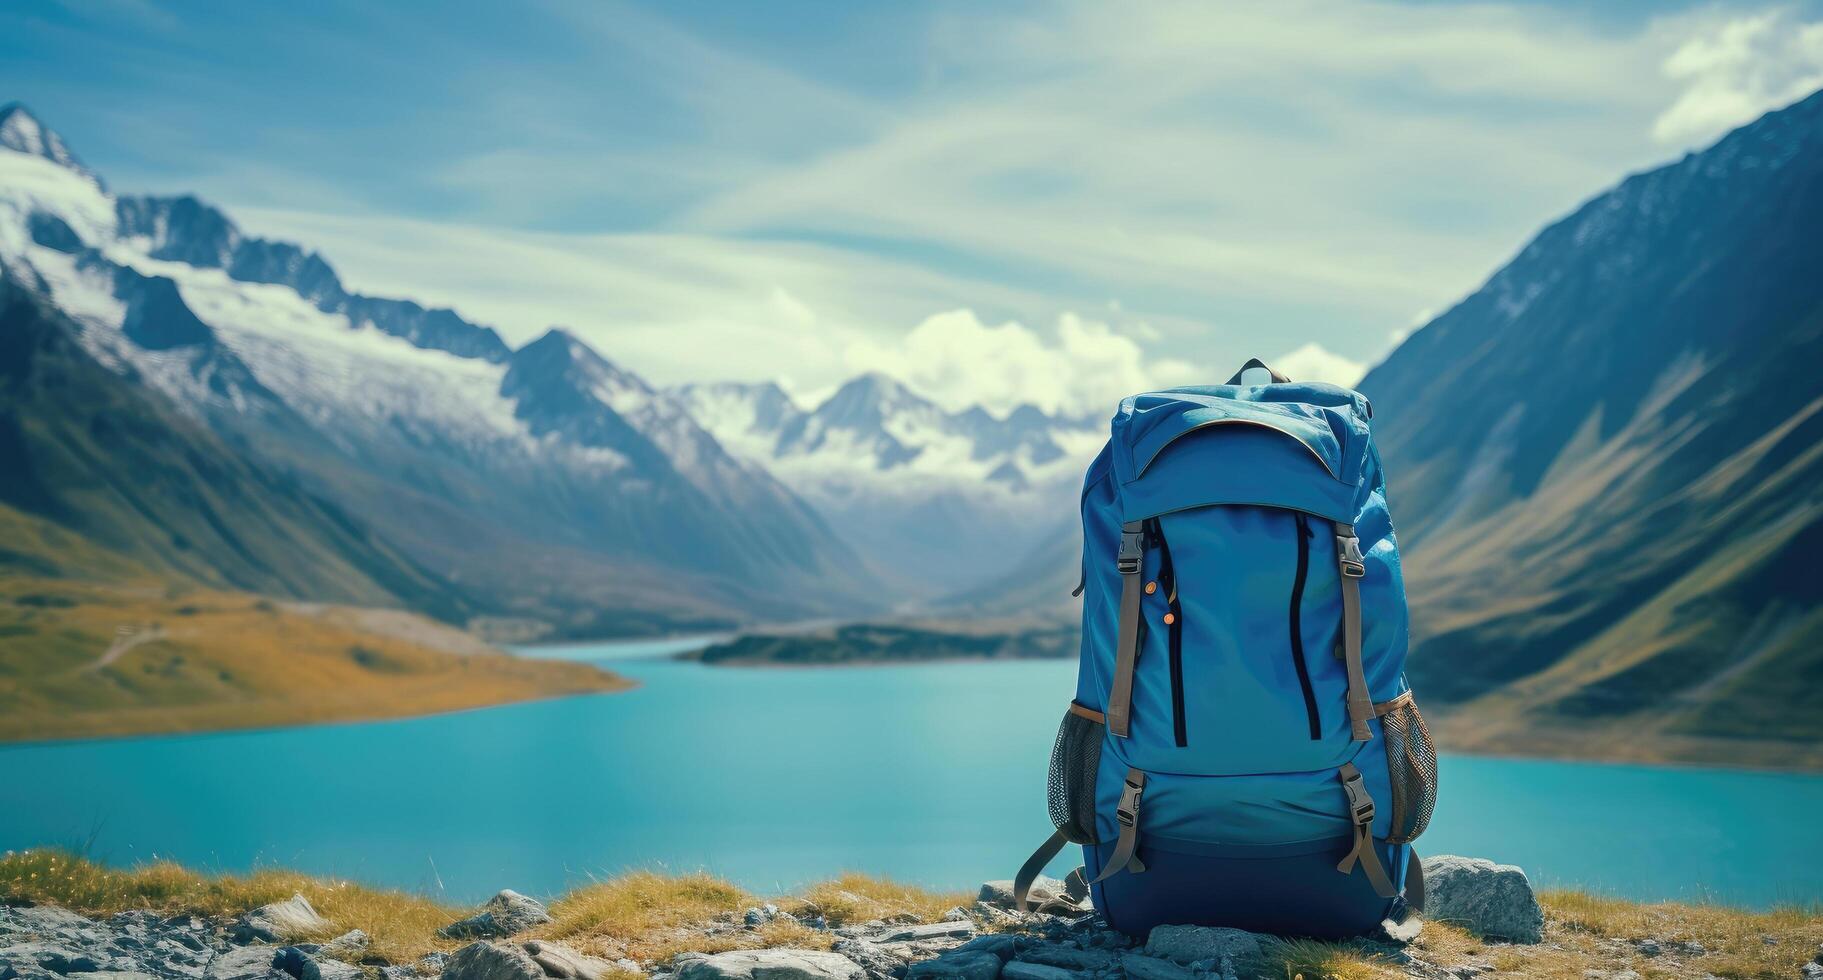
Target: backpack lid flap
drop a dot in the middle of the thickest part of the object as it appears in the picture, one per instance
(1182, 449)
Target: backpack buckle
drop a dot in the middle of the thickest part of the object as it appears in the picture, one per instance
(1132, 550)
(1127, 811)
(1360, 802)
(1348, 555)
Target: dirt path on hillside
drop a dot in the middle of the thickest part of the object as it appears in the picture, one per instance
(125, 641)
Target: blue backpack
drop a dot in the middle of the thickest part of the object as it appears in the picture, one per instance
(1243, 749)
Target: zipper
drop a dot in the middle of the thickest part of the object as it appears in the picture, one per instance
(1297, 627)
(1174, 630)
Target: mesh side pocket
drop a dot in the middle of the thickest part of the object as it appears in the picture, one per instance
(1074, 760)
(1411, 762)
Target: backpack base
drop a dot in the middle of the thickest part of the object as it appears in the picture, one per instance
(1285, 890)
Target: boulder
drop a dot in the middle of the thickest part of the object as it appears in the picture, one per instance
(485, 961)
(1494, 901)
(504, 915)
(771, 964)
(565, 963)
(1139, 966)
(279, 922)
(957, 965)
(1188, 944)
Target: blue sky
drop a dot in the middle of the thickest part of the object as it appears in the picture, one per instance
(1065, 200)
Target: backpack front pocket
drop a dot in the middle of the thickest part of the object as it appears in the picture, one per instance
(1411, 766)
(1075, 758)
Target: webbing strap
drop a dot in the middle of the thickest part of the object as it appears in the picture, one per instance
(1414, 880)
(1130, 562)
(1353, 568)
(1361, 811)
(1033, 867)
(1126, 847)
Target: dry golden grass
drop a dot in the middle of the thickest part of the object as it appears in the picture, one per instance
(859, 898)
(195, 660)
(402, 926)
(1307, 959)
(642, 915)
(650, 917)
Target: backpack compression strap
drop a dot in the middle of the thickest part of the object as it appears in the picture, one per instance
(1361, 811)
(1126, 846)
(1130, 561)
(1353, 568)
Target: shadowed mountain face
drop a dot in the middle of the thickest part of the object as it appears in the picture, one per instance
(1607, 464)
(548, 490)
(101, 456)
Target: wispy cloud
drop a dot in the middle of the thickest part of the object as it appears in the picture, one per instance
(1739, 70)
(1180, 182)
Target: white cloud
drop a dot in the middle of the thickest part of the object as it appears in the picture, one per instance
(1243, 177)
(1737, 70)
(956, 360)
(1312, 362)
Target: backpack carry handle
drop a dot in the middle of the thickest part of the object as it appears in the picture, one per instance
(1254, 362)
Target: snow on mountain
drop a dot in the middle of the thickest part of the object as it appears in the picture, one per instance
(937, 500)
(21, 132)
(579, 491)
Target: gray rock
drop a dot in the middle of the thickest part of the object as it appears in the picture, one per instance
(53, 957)
(565, 963)
(1000, 893)
(45, 920)
(347, 946)
(112, 975)
(485, 961)
(504, 915)
(872, 957)
(1812, 971)
(1000, 944)
(1067, 957)
(242, 963)
(432, 964)
(957, 914)
(1187, 944)
(931, 930)
(956, 965)
(1142, 967)
(1494, 901)
(772, 964)
(1649, 947)
(284, 921)
(302, 962)
(1018, 970)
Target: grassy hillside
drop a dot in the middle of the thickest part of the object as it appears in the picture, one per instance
(88, 659)
(651, 917)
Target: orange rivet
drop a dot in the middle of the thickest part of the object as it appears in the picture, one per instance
(1170, 618)
(1151, 587)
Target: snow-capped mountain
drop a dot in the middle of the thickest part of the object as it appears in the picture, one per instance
(937, 500)
(554, 485)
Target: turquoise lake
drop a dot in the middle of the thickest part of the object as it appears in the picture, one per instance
(776, 777)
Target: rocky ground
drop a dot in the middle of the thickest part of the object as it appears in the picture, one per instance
(1484, 919)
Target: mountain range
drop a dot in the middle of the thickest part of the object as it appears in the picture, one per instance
(541, 490)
